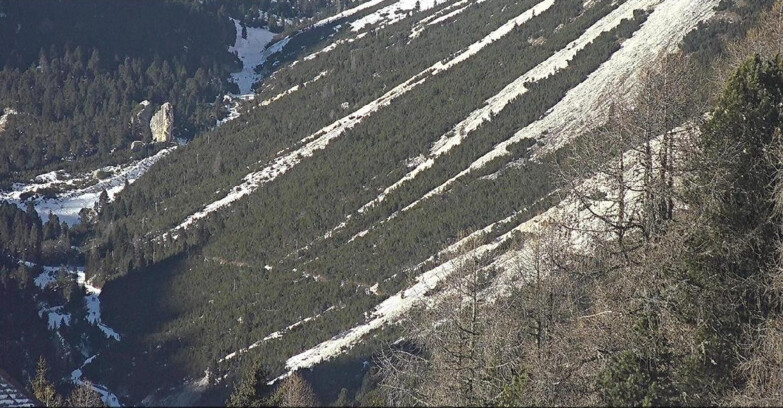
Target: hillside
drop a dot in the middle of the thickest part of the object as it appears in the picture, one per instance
(334, 198)
(344, 175)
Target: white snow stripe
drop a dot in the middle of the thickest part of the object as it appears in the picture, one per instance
(440, 12)
(274, 335)
(450, 12)
(293, 89)
(334, 45)
(386, 312)
(321, 139)
(349, 12)
(392, 13)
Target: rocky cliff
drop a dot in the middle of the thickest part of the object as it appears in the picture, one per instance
(162, 124)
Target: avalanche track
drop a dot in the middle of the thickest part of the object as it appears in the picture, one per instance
(585, 105)
(515, 89)
(321, 139)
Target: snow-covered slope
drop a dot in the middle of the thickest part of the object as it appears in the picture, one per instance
(67, 204)
(443, 15)
(321, 139)
(392, 13)
(582, 107)
(425, 291)
(347, 13)
(379, 249)
(252, 52)
(614, 80)
(515, 89)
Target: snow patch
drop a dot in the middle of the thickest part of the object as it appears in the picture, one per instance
(294, 89)
(392, 13)
(93, 305)
(252, 52)
(68, 204)
(46, 278)
(107, 396)
(441, 16)
(56, 317)
(92, 302)
(234, 104)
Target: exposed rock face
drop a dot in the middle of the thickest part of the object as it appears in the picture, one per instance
(162, 124)
(140, 119)
(142, 113)
(4, 117)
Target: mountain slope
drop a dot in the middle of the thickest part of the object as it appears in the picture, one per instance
(322, 211)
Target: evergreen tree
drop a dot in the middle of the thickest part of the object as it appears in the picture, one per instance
(732, 250)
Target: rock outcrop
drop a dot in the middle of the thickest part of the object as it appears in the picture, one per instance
(140, 120)
(162, 124)
(142, 114)
(4, 117)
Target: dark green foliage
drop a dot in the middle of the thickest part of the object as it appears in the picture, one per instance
(633, 380)
(24, 236)
(198, 287)
(514, 393)
(642, 376)
(709, 40)
(733, 253)
(76, 86)
(23, 335)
